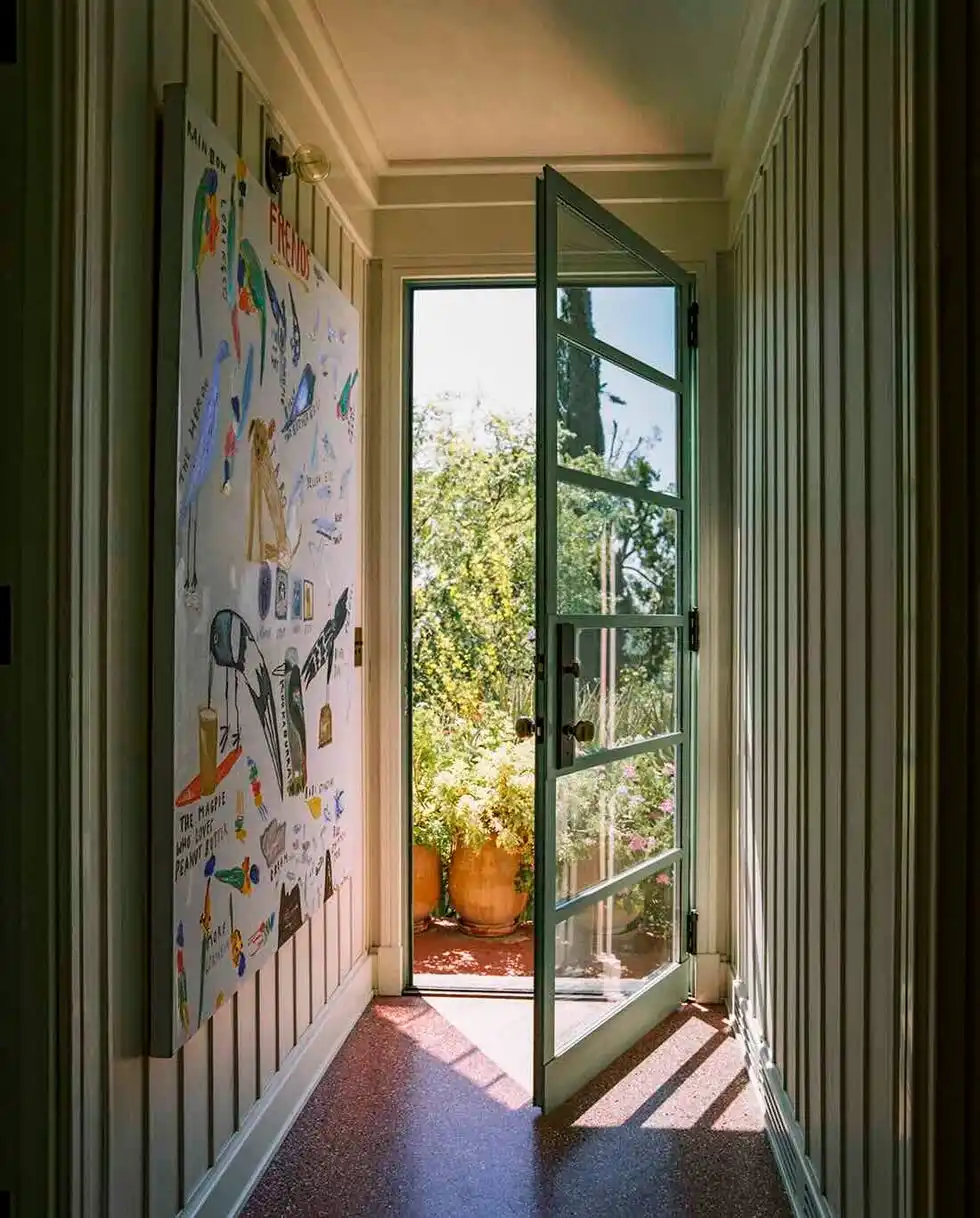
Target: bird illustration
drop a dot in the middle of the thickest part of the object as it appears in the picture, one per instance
(239, 414)
(327, 528)
(295, 717)
(201, 462)
(343, 402)
(233, 648)
(303, 397)
(204, 237)
(296, 340)
(251, 297)
(345, 407)
(322, 651)
(278, 310)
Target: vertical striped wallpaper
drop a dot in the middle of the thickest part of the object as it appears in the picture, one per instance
(169, 1120)
(821, 616)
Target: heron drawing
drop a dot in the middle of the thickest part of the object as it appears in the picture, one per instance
(233, 648)
(204, 237)
(200, 464)
(251, 297)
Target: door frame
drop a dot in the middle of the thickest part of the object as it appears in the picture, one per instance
(385, 421)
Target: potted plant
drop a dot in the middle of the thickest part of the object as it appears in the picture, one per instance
(488, 799)
(431, 831)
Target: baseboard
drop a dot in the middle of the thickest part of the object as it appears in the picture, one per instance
(785, 1135)
(389, 973)
(710, 977)
(226, 1188)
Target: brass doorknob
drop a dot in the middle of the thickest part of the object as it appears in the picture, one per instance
(583, 731)
(524, 727)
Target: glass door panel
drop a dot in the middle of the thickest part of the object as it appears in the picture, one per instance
(614, 675)
(615, 554)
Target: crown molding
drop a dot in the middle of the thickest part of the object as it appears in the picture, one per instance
(266, 40)
(318, 36)
(766, 64)
(518, 165)
(607, 184)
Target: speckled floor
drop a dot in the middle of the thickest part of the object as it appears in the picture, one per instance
(412, 1120)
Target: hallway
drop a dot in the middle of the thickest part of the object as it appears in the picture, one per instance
(411, 1119)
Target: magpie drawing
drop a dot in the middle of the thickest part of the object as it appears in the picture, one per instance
(322, 651)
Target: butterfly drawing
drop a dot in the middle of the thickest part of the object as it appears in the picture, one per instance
(297, 338)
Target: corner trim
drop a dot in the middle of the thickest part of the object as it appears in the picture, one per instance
(226, 1188)
(799, 1177)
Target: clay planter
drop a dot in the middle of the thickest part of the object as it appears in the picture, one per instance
(481, 889)
(426, 884)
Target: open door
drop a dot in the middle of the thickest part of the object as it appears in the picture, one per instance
(616, 626)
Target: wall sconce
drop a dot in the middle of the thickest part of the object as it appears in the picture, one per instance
(309, 163)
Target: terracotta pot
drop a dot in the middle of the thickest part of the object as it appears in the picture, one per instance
(426, 884)
(481, 888)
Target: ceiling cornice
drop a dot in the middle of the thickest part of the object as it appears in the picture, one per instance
(505, 165)
(608, 184)
(263, 38)
(773, 37)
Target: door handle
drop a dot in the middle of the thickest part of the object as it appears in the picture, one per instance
(583, 731)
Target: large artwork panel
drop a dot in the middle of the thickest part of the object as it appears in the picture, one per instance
(257, 747)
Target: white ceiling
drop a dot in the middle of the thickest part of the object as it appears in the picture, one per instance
(468, 80)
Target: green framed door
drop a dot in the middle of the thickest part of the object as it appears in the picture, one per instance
(615, 624)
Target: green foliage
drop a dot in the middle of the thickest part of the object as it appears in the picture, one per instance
(473, 566)
(473, 583)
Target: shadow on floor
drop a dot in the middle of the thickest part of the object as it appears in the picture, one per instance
(411, 1120)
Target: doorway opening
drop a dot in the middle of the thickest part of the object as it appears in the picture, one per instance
(472, 378)
(472, 522)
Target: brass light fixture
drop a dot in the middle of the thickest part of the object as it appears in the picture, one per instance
(309, 162)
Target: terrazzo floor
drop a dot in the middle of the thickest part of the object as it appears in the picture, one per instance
(412, 1119)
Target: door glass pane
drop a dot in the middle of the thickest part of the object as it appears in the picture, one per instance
(615, 555)
(642, 321)
(627, 684)
(614, 423)
(608, 952)
(611, 817)
(588, 254)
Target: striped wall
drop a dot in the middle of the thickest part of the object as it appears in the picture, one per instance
(171, 1121)
(822, 617)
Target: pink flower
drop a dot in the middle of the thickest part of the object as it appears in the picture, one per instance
(663, 878)
(629, 771)
(670, 768)
(637, 843)
(667, 805)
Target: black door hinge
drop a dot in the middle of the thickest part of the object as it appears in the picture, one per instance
(694, 630)
(692, 324)
(692, 932)
(358, 646)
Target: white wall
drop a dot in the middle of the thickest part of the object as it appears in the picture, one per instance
(823, 617)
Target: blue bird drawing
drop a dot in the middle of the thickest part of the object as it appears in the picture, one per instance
(303, 397)
(200, 465)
